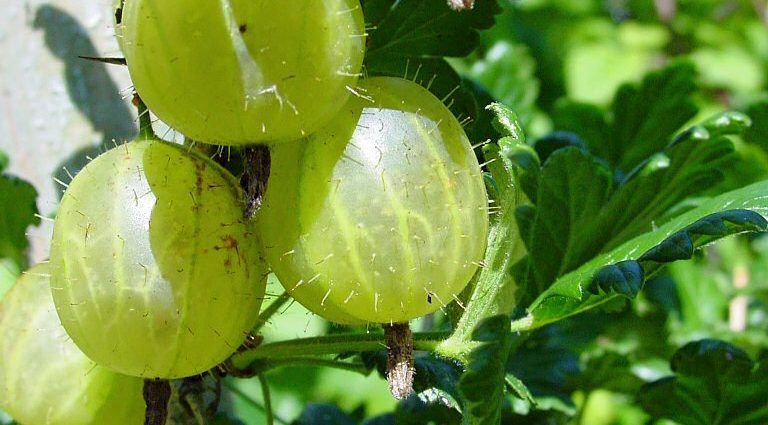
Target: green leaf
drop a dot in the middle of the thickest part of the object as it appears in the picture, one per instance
(715, 383)
(422, 409)
(758, 132)
(545, 364)
(715, 218)
(17, 212)
(409, 38)
(643, 118)
(573, 186)
(425, 27)
(483, 382)
(323, 414)
(688, 167)
(578, 213)
(555, 141)
(608, 371)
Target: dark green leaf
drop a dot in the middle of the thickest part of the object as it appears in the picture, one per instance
(409, 39)
(608, 371)
(573, 187)
(715, 383)
(17, 212)
(555, 141)
(643, 119)
(587, 121)
(420, 409)
(545, 365)
(425, 27)
(758, 132)
(482, 384)
(687, 168)
(385, 419)
(680, 245)
(625, 278)
(323, 414)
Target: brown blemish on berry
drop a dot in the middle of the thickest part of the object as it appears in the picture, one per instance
(230, 244)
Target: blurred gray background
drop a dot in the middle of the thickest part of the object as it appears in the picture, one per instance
(55, 108)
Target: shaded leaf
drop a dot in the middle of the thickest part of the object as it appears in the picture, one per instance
(545, 365)
(758, 132)
(425, 27)
(609, 371)
(409, 38)
(323, 414)
(483, 383)
(715, 383)
(425, 408)
(687, 168)
(556, 140)
(573, 186)
(645, 117)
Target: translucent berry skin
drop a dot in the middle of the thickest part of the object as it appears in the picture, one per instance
(155, 273)
(381, 216)
(244, 71)
(44, 378)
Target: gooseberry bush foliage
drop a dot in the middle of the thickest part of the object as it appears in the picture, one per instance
(595, 293)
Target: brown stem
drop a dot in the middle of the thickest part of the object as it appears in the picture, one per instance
(256, 163)
(157, 393)
(399, 359)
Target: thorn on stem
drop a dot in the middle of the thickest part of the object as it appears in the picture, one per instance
(400, 368)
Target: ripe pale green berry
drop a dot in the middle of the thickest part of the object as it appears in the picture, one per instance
(155, 273)
(44, 378)
(243, 71)
(380, 216)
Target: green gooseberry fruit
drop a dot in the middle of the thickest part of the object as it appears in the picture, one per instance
(380, 216)
(44, 378)
(155, 272)
(242, 71)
